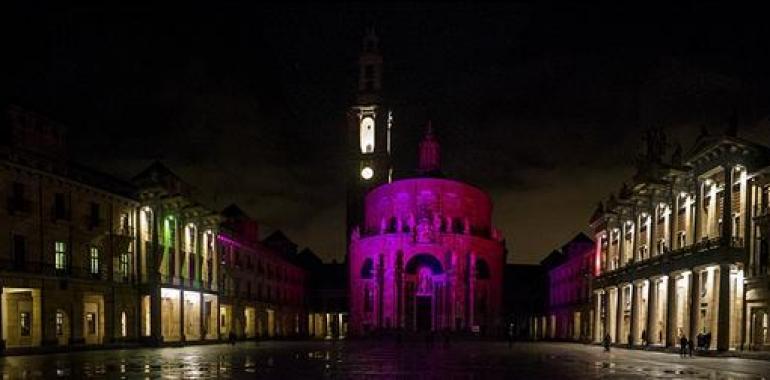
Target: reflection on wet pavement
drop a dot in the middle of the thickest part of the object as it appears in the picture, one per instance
(375, 360)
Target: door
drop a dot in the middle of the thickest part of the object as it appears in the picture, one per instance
(424, 313)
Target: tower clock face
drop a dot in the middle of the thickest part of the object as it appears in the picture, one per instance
(367, 134)
(367, 173)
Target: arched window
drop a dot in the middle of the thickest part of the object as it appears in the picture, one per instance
(393, 224)
(424, 260)
(367, 270)
(482, 269)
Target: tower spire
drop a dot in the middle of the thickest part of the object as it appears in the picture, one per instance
(430, 152)
(370, 67)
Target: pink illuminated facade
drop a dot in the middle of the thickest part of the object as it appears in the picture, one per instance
(426, 257)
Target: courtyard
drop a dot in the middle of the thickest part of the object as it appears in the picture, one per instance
(375, 360)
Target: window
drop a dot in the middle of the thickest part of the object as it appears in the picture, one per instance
(19, 250)
(93, 217)
(94, 260)
(91, 323)
(25, 323)
(59, 323)
(60, 249)
(59, 206)
(123, 325)
(18, 191)
(124, 262)
(125, 223)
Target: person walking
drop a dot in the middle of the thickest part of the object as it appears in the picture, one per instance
(644, 339)
(606, 343)
(510, 335)
(682, 345)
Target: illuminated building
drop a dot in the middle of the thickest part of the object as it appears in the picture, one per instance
(568, 313)
(263, 288)
(683, 249)
(91, 260)
(67, 268)
(426, 257)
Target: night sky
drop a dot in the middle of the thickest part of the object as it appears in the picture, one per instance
(542, 105)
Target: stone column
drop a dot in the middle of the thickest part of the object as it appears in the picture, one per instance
(182, 337)
(671, 338)
(652, 299)
(201, 306)
(652, 231)
(635, 243)
(619, 314)
(697, 222)
(471, 290)
(694, 303)
(219, 318)
(2, 341)
(635, 299)
(727, 209)
(155, 259)
(723, 323)
(673, 221)
(621, 252)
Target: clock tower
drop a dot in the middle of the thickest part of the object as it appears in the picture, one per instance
(369, 128)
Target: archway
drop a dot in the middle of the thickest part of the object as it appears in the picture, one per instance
(422, 286)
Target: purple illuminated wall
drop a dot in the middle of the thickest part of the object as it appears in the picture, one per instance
(426, 258)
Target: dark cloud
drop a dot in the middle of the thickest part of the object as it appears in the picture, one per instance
(541, 104)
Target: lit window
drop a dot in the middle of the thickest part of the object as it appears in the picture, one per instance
(91, 323)
(59, 323)
(123, 324)
(367, 135)
(60, 249)
(124, 261)
(94, 259)
(25, 323)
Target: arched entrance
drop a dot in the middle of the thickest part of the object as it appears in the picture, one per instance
(423, 283)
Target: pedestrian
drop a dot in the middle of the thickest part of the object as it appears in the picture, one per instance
(689, 347)
(231, 337)
(607, 342)
(644, 339)
(630, 340)
(682, 345)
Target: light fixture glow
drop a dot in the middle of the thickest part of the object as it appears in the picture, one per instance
(367, 173)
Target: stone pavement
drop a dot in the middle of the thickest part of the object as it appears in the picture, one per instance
(380, 360)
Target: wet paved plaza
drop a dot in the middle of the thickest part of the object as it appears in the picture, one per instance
(372, 360)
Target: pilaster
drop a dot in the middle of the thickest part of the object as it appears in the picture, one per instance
(671, 337)
(727, 210)
(723, 323)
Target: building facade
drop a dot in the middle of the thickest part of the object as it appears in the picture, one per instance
(67, 271)
(90, 260)
(568, 313)
(426, 257)
(683, 249)
(262, 289)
